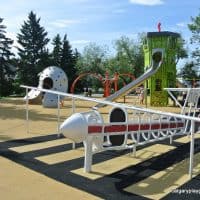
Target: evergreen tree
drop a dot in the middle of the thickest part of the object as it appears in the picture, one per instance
(76, 55)
(68, 61)
(33, 52)
(57, 50)
(6, 72)
(195, 39)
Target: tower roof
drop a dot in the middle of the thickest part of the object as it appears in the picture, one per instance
(162, 33)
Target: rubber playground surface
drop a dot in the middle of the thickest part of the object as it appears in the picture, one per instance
(41, 165)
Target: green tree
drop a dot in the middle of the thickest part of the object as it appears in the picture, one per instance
(68, 61)
(6, 72)
(77, 55)
(189, 72)
(57, 50)
(129, 56)
(194, 27)
(32, 52)
(181, 51)
(93, 59)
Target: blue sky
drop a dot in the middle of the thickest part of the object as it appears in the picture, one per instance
(100, 21)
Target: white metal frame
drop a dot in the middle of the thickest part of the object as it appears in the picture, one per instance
(89, 141)
(139, 136)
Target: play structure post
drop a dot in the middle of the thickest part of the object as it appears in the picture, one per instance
(145, 96)
(107, 85)
(27, 112)
(58, 116)
(73, 105)
(88, 154)
(166, 75)
(159, 27)
(191, 149)
(116, 77)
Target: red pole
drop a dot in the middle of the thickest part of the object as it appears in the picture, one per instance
(116, 76)
(159, 27)
(107, 85)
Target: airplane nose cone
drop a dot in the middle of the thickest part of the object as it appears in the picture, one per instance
(75, 128)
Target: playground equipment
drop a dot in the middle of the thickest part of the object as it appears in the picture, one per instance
(146, 127)
(160, 68)
(107, 82)
(53, 78)
(166, 75)
(157, 59)
(142, 126)
(97, 76)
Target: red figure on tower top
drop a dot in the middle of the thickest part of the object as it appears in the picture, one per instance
(159, 27)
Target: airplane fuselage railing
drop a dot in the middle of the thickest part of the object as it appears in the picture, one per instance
(141, 131)
(166, 125)
(142, 128)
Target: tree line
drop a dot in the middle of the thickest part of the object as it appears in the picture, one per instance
(33, 56)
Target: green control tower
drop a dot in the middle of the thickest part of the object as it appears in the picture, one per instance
(165, 77)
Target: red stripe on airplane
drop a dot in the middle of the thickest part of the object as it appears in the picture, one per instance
(94, 129)
(115, 128)
(132, 127)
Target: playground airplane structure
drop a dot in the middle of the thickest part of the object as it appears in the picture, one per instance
(128, 126)
(141, 125)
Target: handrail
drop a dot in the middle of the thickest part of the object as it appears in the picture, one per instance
(126, 106)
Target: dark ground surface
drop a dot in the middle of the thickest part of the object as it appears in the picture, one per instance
(110, 186)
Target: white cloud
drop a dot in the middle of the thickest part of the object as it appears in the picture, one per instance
(62, 23)
(182, 24)
(147, 2)
(76, 1)
(80, 42)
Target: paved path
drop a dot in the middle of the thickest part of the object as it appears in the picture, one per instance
(39, 165)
